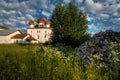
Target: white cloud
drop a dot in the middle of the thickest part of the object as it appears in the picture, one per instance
(51, 7)
(110, 1)
(11, 5)
(92, 6)
(9, 13)
(8, 23)
(103, 15)
(115, 14)
(29, 17)
(3, 11)
(79, 1)
(115, 20)
(39, 3)
(12, 12)
(98, 11)
(93, 27)
(67, 1)
(20, 18)
(20, 13)
(3, 4)
(22, 22)
(89, 18)
(46, 13)
(31, 11)
(44, 3)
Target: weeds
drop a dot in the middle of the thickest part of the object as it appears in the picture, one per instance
(39, 62)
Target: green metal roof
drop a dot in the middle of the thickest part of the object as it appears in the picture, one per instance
(6, 32)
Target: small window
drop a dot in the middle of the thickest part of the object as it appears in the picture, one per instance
(16, 41)
(42, 25)
(38, 31)
(45, 36)
(38, 37)
(31, 31)
(45, 31)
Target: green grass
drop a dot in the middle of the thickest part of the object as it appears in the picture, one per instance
(40, 62)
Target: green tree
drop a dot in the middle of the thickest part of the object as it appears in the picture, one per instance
(82, 27)
(57, 22)
(69, 25)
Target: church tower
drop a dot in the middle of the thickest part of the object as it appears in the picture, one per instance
(41, 31)
(41, 22)
(31, 23)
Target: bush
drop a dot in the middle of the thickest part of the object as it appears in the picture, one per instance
(38, 62)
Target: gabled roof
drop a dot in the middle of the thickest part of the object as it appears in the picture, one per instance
(30, 38)
(7, 32)
(19, 36)
(1, 27)
(22, 36)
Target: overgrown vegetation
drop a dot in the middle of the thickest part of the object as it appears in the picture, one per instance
(40, 62)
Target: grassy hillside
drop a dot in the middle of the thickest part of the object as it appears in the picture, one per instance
(40, 62)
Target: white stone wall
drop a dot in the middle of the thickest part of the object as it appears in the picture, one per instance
(31, 26)
(47, 25)
(3, 39)
(16, 41)
(7, 39)
(41, 34)
(1, 29)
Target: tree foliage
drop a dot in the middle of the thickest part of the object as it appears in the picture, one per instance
(69, 25)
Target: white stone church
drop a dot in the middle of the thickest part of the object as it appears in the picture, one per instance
(39, 33)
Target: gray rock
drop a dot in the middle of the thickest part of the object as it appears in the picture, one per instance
(97, 50)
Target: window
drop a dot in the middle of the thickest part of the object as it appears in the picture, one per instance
(45, 36)
(45, 31)
(38, 37)
(42, 25)
(38, 31)
(31, 31)
(16, 41)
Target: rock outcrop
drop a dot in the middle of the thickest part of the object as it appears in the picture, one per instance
(100, 49)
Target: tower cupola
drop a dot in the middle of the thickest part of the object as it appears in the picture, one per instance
(47, 22)
(41, 22)
(31, 23)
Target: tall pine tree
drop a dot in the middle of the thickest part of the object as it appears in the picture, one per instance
(69, 25)
(57, 22)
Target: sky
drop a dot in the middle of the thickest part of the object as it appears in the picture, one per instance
(101, 14)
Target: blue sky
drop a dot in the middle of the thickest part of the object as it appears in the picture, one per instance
(101, 14)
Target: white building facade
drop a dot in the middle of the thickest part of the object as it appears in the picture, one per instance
(41, 32)
(15, 36)
(5, 36)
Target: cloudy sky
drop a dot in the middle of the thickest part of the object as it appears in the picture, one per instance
(102, 14)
